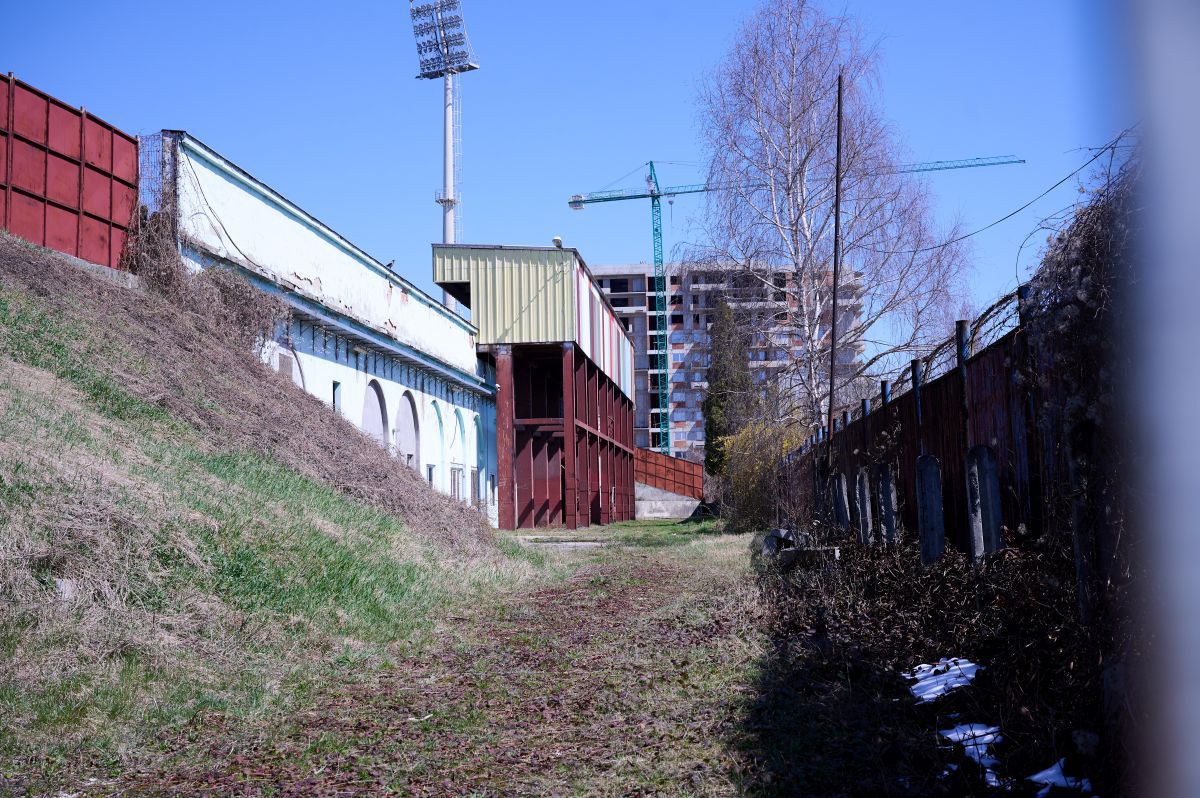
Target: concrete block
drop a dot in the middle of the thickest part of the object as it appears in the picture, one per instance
(931, 524)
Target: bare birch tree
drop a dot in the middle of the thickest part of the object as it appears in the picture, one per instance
(769, 124)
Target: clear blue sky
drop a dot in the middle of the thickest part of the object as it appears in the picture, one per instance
(318, 100)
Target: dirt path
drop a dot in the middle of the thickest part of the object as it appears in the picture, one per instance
(625, 679)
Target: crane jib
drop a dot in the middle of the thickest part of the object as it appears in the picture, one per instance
(655, 194)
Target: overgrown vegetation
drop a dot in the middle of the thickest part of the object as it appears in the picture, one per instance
(624, 679)
(182, 531)
(730, 387)
(1079, 324)
(1053, 619)
(877, 612)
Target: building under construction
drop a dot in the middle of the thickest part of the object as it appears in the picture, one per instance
(564, 382)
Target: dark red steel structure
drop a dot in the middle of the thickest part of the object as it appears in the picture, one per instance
(68, 180)
(564, 437)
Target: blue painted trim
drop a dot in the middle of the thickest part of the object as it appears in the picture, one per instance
(273, 197)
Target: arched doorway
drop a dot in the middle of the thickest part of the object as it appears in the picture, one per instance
(458, 458)
(408, 432)
(436, 460)
(374, 421)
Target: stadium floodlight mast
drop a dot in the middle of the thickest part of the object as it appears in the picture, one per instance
(443, 51)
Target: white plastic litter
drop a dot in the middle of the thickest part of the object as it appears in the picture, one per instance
(1053, 776)
(976, 740)
(934, 681)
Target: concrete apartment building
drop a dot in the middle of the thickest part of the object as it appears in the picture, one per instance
(692, 298)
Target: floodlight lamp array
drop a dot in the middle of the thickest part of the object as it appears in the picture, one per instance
(432, 9)
(442, 46)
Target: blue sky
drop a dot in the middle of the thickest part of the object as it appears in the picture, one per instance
(318, 100)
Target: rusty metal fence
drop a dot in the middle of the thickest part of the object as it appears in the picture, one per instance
(671, 474)
(976, 398)
(68, 180)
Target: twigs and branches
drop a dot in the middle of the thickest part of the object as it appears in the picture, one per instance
(770, 130)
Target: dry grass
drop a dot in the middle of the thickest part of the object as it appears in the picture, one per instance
(190, 366)
(181, 530)
(625, 679)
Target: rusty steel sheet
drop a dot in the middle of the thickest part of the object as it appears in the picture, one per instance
(671, 474)
(1009, 413)
(68, 180)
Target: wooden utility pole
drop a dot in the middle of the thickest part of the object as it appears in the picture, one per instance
(837, 262)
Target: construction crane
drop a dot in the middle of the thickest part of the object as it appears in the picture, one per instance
(655, 194)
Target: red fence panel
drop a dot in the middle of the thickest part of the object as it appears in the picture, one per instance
(68, 181)
(671, 474)
(1005, 411)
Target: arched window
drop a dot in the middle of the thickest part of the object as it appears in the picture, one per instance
(287, 364)
(436, 459)
(457, 462)
(374, 421)
(408, 432)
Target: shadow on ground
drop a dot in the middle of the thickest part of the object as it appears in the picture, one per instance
(816, 725)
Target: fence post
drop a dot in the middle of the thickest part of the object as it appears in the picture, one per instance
(915, 373)
(975, 536)
(885, 491)
(930, 523)
(862, 491)
(983, 489)
(841, 500)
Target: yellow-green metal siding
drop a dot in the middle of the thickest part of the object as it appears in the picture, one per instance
(518, 296)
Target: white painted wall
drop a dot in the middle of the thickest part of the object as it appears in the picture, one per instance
(231, 215)
(316, 372)
(225, 215)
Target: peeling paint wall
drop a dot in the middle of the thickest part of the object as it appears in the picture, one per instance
(228, 213)
(357, 326)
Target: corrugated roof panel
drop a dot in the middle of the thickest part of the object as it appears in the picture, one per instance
(525, 295)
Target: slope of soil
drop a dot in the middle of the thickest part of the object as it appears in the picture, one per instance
(182, 531)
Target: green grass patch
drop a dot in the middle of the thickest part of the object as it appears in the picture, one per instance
(656, 534)
(36, 337)
(289, 548)
(515, 550)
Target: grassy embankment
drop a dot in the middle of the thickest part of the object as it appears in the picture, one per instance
(165, 551)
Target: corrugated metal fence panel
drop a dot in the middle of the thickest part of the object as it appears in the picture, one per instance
(671, 474)
(68, 181)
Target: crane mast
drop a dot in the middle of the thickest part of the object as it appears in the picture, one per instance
(660, 313)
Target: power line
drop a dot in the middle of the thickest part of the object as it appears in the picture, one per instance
(1110, 146)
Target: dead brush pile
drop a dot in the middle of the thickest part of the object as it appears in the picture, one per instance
(188, 349)
(879, 613)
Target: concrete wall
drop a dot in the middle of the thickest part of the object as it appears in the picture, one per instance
(650, 502)
(228, 213)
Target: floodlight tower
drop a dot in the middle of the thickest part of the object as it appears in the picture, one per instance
(444, 51)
